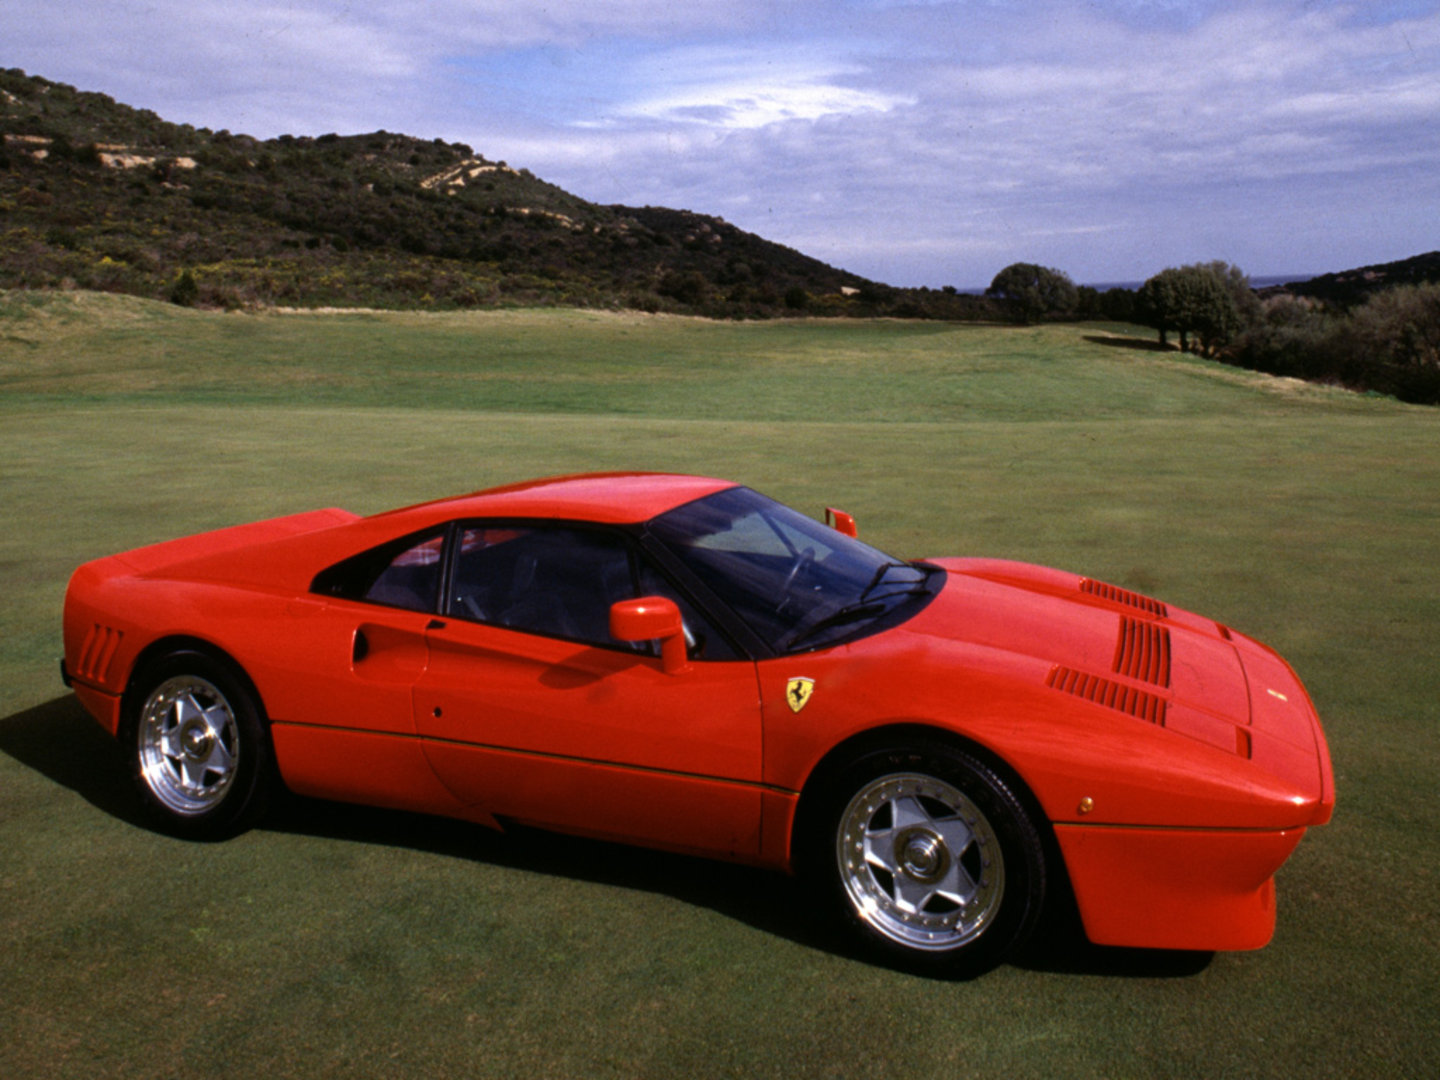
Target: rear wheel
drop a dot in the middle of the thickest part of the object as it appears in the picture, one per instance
(927, 858)
(200, 755)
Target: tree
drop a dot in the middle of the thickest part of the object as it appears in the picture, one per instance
(1118, 304)
(1237, 282)
(1031, 292)
(1190, 300)
(1157, 303)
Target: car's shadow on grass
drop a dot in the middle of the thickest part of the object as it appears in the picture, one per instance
(59, 741)
(771, 902)
(1060, 947)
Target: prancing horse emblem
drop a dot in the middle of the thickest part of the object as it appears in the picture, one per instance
(797, 693)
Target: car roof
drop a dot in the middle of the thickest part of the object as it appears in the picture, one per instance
(616, 498)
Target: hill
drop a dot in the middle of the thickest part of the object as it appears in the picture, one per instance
(96, 194)
(1347, 288)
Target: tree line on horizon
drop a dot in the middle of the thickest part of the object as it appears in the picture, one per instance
(1383, 338)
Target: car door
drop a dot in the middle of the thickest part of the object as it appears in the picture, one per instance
(529, 709)
(341, 695)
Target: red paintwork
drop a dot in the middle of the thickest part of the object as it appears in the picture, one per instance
(1201, 888)
(841, 522)
(1171, 821)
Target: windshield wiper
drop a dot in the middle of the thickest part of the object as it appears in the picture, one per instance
(912, 588)
(847, 614)
(879, 576)
(903, 588)
(866, 606)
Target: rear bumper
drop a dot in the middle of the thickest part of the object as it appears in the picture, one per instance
(1211, 889)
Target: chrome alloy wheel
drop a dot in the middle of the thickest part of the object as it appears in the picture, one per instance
(919, 861)
(189, 744)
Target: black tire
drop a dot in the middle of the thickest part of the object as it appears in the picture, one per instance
(925, 858)
(199, 750)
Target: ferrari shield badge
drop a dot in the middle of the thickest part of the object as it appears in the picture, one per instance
(797, 693)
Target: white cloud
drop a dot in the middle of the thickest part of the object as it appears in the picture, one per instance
(739, 90)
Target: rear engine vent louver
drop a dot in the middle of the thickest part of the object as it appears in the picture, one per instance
(96, 652)
(1117, 595)
(1112, 695)
(1143, 652)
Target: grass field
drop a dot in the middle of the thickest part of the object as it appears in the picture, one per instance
(335, 941)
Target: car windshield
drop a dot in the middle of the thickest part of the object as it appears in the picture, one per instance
(797, 584)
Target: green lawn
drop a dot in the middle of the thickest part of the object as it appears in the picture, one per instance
(336, 941)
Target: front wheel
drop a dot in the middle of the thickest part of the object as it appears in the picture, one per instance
(928, 859)
(200, 757)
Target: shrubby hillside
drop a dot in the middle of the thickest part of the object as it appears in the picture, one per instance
(1351, 288)
(99, 195)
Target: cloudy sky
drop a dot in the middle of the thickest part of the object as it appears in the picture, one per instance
(919, 143)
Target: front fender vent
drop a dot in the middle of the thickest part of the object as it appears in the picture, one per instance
(1112, 695)
(97, 652)
(1116, 595)
(1143, 652)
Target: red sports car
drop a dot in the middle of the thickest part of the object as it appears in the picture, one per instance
(683, 663)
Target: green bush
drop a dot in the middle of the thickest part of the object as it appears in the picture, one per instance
(1390, 343)
(185, 291)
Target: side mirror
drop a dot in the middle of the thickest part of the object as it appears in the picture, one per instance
(841, 522)
(648, 618)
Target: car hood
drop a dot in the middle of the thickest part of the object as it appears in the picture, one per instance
(1113, 650)
(1084, 628)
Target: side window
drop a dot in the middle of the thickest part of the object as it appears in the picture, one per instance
(559, 582)
(412, 579)
(403, 574)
